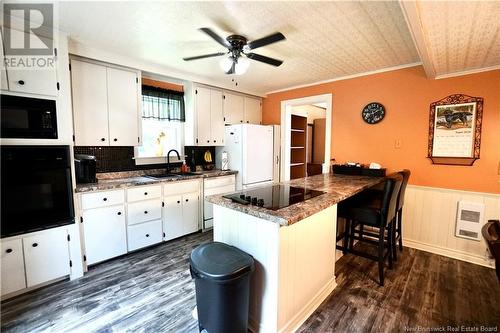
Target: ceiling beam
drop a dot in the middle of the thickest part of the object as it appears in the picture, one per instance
(412, 17)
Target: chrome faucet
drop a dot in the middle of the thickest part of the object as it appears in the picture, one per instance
(168, 158)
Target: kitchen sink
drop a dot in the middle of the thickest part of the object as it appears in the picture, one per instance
(173, 175)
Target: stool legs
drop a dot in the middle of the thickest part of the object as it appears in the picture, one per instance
(347, 227)
(381, 256)
(400, 230)
(393, 248)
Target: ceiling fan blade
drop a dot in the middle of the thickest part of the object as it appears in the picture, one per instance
(205, 56)
(273, 38)
(215, 37)
(264, 59)
(232, 69)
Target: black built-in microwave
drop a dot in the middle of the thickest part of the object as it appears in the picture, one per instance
(28, 118)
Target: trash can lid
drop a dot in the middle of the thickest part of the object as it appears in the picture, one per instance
(219, 261)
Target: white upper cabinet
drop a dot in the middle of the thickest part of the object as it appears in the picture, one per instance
(41, 81)
(90, 103)
(3, 72)
(233, 108)
(203, 114)
(217, 132)
(123, 106)
(106, 105)
(209, 115)
(253, 110)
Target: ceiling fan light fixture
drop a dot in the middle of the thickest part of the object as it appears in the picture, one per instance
(226, 63)
(241, 66)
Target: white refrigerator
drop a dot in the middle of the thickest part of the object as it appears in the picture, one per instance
(252, 151)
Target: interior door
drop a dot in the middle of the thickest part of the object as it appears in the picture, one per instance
(233, 108)
(253, 111)
(41, 81)
(46, 256)
(190, 212)
(202, 104)
(172, 217)
(90, 104)
(123, 107)
(13, 275)
(104, 233)
(257, 154)
(216, 118)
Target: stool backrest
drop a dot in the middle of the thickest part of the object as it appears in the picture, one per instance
(401, 197)
(390, 197)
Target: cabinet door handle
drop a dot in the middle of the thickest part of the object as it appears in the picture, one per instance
(34, 244)
(187, 200)
(145, 193)
(21, 82)
(145, 212)
(215, 141)
(208, 141)
(119, 213)
(104, 199)
(241, 121)
(8, 250)
(103, 139)
(147, 235)
(178, 201)
(115, 139)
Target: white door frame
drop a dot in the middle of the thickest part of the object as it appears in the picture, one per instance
(286, 112)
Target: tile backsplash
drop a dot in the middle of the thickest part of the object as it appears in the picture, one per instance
(116, 159)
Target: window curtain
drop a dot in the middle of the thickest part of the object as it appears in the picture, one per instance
(162, 104)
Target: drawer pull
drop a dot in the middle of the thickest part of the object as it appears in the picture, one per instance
(103, 139)
(119, 213)
(147, 235)
(104, 199)
(8, 250)
(187, 200)
(145, 193)
(178, 201)
(115, 139)
(21, 82)
(34, 244)
(145, 212)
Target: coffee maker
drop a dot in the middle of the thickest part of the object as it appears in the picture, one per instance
(85, 169)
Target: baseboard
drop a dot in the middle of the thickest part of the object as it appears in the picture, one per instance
(297, 320)
(450, 253)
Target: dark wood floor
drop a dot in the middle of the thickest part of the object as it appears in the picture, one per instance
(152, 291)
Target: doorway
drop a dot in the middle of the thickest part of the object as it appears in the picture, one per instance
(306, 136)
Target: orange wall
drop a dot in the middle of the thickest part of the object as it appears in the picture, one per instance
(406, 95)
(162, 84)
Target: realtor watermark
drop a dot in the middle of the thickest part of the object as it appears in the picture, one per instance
(450, 328)
(28, 36)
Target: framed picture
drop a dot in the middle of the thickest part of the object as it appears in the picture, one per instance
(455, 130)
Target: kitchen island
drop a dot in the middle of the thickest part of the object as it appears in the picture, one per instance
(294, 246)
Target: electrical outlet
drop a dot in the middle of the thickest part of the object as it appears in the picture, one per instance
(397, 143)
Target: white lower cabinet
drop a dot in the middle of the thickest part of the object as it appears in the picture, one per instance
(46, 256)
(144, 234)
(172, 217)
(104, 233)
(13, 275)
(181, 215)
(34, 258)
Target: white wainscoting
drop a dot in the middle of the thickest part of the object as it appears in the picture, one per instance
(429, 217)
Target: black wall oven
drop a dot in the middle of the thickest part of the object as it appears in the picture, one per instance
(28, 118)
(36, 188)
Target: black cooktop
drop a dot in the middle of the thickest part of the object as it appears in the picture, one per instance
(274, 197)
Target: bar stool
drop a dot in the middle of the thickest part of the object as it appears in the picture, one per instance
(398, 231)
(365, 211)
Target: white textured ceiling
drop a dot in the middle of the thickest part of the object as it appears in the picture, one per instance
(325, 40)
(460, 35)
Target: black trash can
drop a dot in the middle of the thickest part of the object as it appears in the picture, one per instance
(222, 278)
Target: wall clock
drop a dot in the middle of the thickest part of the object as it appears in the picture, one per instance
(373, 113)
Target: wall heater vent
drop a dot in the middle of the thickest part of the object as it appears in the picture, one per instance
(470, 217)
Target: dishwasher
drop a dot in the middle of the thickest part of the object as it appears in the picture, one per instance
(213, 186)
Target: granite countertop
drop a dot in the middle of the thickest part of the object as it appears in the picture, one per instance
(116, 183)
(337, 188)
